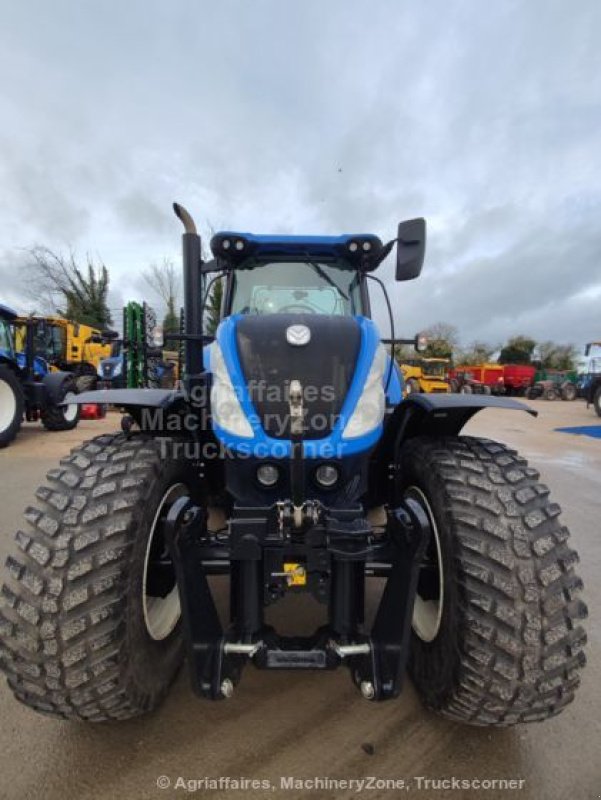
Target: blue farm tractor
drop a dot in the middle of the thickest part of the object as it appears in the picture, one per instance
(289, 462)
(27, 388)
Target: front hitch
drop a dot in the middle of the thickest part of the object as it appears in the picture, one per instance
(334, 546)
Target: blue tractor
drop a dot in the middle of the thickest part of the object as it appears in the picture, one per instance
(289, 462)
(27, 388)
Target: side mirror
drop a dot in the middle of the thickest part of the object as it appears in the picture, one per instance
(421, 342)
(411, 249)
(157, 337)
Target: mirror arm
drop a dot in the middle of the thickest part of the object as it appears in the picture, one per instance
(384, 252)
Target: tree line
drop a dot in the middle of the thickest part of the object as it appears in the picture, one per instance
(65, 286)
(79, 291)
(444, 342)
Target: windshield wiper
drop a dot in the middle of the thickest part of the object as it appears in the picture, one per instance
(323, 274)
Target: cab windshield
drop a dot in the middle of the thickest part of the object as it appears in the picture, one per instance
(437, 369)
(292, 287)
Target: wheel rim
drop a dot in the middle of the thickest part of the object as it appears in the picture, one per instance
(8, 405)
(429, 600)
(160, 597)
(70, 412)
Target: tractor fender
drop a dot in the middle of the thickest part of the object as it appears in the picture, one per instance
(54, 385)
(432, 415)
(157, 412)
(438, 415)
(129, 398)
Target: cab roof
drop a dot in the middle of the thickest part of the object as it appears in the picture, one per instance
(359, 250)
(7, 313)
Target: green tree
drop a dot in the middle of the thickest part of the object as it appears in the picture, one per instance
(477, 353)
(164, 280)
(443, 339)
(76, 292)
(518, 350)
(551, 355)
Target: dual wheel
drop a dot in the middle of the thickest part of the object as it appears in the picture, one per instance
(90, 622)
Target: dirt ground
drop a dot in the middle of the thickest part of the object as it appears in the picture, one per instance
(317, 725)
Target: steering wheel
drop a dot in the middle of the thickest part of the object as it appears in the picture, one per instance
(297, 308)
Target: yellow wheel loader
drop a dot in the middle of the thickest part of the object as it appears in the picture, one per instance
(426, 375)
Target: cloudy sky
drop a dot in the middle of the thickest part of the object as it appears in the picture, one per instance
(320, 117)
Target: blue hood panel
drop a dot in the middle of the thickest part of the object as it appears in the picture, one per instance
(333, 446)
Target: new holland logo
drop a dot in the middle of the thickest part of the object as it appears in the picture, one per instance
(298, 335)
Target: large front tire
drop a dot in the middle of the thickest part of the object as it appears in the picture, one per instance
(89, 613)
(496, 636)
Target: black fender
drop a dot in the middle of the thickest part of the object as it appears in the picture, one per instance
(430, 415)
(157, 412)
(443, 414)
(55, 389)
(129, 398)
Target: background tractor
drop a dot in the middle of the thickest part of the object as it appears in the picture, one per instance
(426, 375)
(27, 388)
(590, 385)
(554, 385)
(481, 378)
(290, 462)
(462, 381)
(66, 346)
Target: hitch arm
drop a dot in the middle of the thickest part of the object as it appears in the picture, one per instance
(380, 674)
(184, 527)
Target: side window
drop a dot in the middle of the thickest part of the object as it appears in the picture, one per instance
(213, 309)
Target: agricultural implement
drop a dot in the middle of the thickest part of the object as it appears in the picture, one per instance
(291, 463)
(137, 360)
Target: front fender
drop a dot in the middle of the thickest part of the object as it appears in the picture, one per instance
(128, 398)
(54, 384)
(444, 414)
(435, 415)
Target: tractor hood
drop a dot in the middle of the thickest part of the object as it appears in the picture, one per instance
(338, 362)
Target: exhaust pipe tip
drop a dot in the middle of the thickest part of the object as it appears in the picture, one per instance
(185, 217)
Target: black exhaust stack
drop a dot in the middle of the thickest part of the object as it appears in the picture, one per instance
(192, 333)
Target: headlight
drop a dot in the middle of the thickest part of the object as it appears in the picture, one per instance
(369, 411)
(225, 405)
(118, 369)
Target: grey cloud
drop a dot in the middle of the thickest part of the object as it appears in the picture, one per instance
(304, 116)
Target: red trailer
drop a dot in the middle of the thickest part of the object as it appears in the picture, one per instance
(518, 377)
(490, 375)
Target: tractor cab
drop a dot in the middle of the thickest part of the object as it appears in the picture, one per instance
(296, 313)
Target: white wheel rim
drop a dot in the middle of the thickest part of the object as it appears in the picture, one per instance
(8, 405)
(70, 412)
(161, 614)
(427, 614)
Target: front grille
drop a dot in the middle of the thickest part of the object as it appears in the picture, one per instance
(324, 367)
